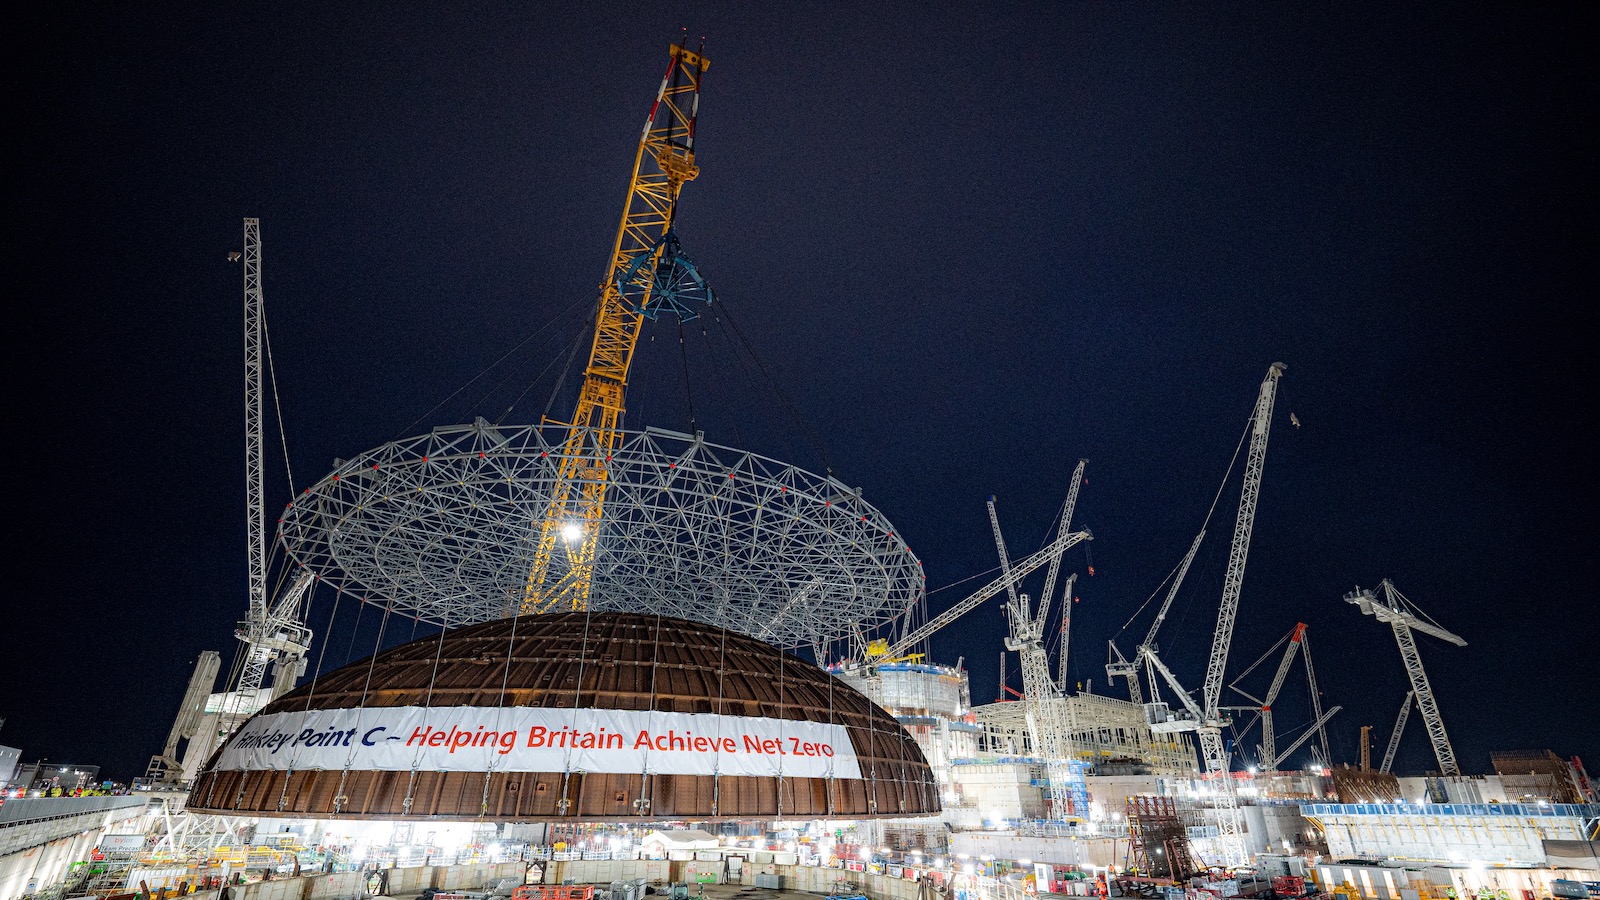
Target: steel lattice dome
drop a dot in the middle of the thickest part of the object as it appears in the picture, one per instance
(443, 526)
(370, 740)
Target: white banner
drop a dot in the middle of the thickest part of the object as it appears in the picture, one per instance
(121, 843)
(536, 739)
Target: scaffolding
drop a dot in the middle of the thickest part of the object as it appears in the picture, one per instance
(1110, 735)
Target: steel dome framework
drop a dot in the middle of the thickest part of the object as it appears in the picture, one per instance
(443, 527)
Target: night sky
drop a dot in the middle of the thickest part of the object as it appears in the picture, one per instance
(971, 243)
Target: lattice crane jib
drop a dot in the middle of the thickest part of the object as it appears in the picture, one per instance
(663, 163)
(1399, 729)
(1239, 550)
(271, 630)
(1398, 612)
(1269, 738)
(254, 468)
(1229, 826)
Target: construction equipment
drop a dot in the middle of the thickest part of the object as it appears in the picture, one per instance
(1298, 645)
(273, 631)
(1209, 719)
(1046, 715)
(1404, 617)
(1120, 665)
(1399, 729)
(647, 275)
(165, 767)
(1064, 541)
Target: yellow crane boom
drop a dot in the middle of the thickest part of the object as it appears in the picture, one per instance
(663, 164)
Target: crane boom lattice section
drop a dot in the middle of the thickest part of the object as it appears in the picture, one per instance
(570, 525)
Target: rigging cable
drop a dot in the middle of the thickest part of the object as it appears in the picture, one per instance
(1203, 525)
(405, 432)
(805, 427)
(277, 405)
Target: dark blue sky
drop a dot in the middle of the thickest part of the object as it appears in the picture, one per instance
(972, 243)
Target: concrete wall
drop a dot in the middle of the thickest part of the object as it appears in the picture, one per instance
(1061, 851)
(656, 871)
(281, 889)
(40, 838)
(41, 866)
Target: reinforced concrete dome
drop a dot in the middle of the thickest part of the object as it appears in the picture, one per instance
(581, 716)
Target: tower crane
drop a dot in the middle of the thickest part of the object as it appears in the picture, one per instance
(647, 275)
(1206, 717)
(1402, 615)
(1044, 704)
(273, 630)
(1064, 541)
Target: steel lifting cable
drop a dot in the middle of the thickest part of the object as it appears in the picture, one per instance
(277, 405)
(350, 651)
(1203, 525)
(500, 705)
(805, 427)
(311, 692)
(405, 432)
(576, 343)
(721, 712)
(832, 777)
(577, 698)
(655, 668)
(366, 687)
(427, 704)
(688, 387)
(733, 351)
(783, 718)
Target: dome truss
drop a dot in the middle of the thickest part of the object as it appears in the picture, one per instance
(443, 527)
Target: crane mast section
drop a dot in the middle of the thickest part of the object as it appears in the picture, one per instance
(1239, 550)
(1316, 727)
(663, 163)
(254, 467)
(1316, 698)
(1005, 560)
(1429, 708)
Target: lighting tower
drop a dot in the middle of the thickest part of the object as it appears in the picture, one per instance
(272, 631)
(646, 275)
(1206, 717)
(1402, 615)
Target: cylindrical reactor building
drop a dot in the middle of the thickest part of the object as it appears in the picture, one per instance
(572, 717)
